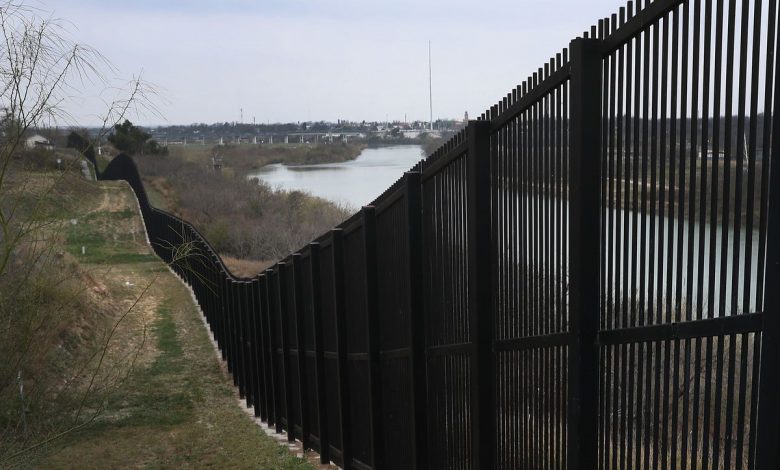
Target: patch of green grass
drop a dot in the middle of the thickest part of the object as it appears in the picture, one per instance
(157, 399)
(102, 243)
(84, 234)
(168, 344)
(179, 411)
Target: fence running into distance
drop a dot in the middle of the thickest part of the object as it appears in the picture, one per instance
(585, 277)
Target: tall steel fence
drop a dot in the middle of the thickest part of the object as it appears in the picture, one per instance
(587, 276)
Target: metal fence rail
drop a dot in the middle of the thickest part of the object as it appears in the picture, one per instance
(584, 277)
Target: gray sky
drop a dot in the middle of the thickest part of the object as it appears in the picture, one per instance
(324, 60)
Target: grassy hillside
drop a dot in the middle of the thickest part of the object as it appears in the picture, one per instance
(120, 362)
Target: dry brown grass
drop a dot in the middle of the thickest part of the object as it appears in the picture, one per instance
(245, 267)
(242, 219)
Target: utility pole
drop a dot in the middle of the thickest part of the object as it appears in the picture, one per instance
(430, 83)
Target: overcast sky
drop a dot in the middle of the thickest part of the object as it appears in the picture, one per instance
(289, 60)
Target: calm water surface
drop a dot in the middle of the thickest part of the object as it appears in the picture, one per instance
(355, 183)
(359, 181)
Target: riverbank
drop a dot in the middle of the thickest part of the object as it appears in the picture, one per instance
(248, 221)
(244, 158)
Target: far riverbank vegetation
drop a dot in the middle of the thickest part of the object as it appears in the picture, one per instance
(247, 221)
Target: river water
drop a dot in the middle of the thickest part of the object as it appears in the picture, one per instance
(354, 183)
(711, 279)
(358, 182)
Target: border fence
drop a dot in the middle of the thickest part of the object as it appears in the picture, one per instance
(587, 276)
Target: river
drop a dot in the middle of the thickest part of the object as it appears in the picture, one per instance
(354, 183)
(728, 273)
(358, 182)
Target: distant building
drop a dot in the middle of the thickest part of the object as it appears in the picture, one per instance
(38, 141)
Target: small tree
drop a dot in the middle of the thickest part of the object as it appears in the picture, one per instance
(80, 142)
(132, 140)
(128, 138)
(41, 70)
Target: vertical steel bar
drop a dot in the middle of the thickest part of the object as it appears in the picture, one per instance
(341, 341)
(665, 278)
(644, 381)
(319, 354)
(257, 348)
(270, 349)
(751, 145)
(584, 209)
(763, 211)
(703, 227)
(419, 410)
(727, 224)
(222, 321)
(273, 332)
(247, 344)
(376, 418)
(284, 317)
(298, 312)
(716, 162)
(232, 331)
(265, 375)
(629, 237)
(479, 283)
(606, 270)
(769, 83)
(768, 432)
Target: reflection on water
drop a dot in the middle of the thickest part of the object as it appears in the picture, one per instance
(315, 168)
(355, 183)
(687, 270)
(671, 274)
(712, 281)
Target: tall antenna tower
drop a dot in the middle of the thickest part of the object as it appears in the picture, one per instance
(430, 84)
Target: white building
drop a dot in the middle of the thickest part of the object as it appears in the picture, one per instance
(37, 141)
